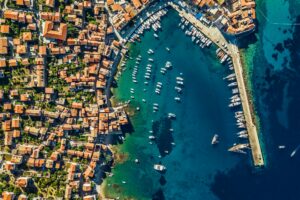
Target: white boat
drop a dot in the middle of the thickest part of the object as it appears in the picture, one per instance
(168, 65)
(232, 84)
(178, 89)
(295, 151)
(281, 147)
(177, 99)
(167, 49)
(234, 104)
(215, 139)
(179, 78)
(180, 82)
(150, 51)
(150, 59)
(171, 115)
(159, 168)
(243, 136)
(155, 35)
(151, 137)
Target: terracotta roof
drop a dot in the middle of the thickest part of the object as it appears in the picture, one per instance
(4, 29)
(10, 14)
(3, 63)
(27, 36)
(60, 34)
(136, 3)
(21, 49)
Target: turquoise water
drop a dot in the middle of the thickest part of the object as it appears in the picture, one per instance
(204, 111)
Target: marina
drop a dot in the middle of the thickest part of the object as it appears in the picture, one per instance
(184, 85)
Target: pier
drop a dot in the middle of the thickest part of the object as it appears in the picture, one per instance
(215, 35)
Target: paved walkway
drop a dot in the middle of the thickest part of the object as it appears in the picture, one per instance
(216, 36)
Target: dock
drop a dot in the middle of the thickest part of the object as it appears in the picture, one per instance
(215, 35)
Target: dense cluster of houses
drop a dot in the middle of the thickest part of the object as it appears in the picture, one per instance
(124, 11)
(233, 16)
(44, 128)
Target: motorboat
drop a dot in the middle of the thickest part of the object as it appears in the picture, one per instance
(159, 167)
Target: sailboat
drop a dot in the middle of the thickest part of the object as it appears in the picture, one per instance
(215, 139)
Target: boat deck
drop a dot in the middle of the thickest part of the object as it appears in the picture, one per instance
(216, 36)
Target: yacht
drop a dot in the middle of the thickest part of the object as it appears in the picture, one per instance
(150, 59)
(239, 148)
(159, 168)
(155, 35)
(167, 49)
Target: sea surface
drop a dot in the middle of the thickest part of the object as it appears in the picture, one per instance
(196, 169)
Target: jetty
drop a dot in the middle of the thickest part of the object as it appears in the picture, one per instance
(216, 36)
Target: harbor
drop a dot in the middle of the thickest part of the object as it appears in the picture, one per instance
(231, 49)
(167, 93)
(274, 102)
